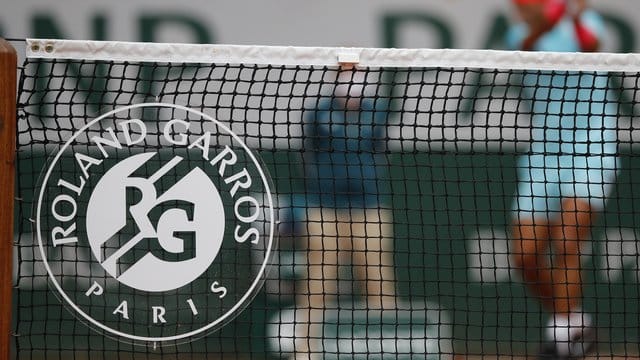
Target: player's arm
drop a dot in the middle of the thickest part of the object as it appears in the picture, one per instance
(586, 33)
(541, 16)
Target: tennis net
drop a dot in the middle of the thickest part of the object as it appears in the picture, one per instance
(205, 201)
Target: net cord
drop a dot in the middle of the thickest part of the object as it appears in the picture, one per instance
(329, 56)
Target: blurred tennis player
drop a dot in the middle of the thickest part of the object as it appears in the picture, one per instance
(568, 172)
(346, 224)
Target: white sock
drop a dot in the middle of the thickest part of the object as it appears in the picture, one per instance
(564, 327)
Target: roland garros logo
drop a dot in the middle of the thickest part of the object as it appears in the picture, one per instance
(160, 201)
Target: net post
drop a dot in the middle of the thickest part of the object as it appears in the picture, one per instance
(8, 78)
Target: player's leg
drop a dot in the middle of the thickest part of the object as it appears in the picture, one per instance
(586, 182)
(372, 257)
(320, 286)
(537, 197)
(568, 237)
(530, 242)
(570, 330)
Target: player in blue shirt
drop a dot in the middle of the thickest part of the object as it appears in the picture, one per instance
(345, 166)
(345, 149)
(569, 170)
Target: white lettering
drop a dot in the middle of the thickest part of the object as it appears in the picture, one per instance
(217, 289)
(122, 309)
(74, 188)
(192, 306)
(85, 162)
(202, 143)
(158, 314)
(54, 208)
(244, 174)
(245, 236)
(95, 289)
(113, 142)
(231, 160)
(65, 239)
(255, 206)
(126, 131)
(168, 129)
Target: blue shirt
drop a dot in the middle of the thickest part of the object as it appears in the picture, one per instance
(344, 154)
(572, 112)
(292, 211)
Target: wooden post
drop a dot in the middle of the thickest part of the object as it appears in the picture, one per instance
(8, 71)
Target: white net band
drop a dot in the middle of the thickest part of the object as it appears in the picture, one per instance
(329, 56)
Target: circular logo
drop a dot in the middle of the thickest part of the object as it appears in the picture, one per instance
(146, 218)
(194, 218)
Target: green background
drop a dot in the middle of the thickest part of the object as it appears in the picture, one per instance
(438, 200)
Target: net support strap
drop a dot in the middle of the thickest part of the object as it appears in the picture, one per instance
(8, 64)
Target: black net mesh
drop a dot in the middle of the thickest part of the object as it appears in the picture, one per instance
(421, 212)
